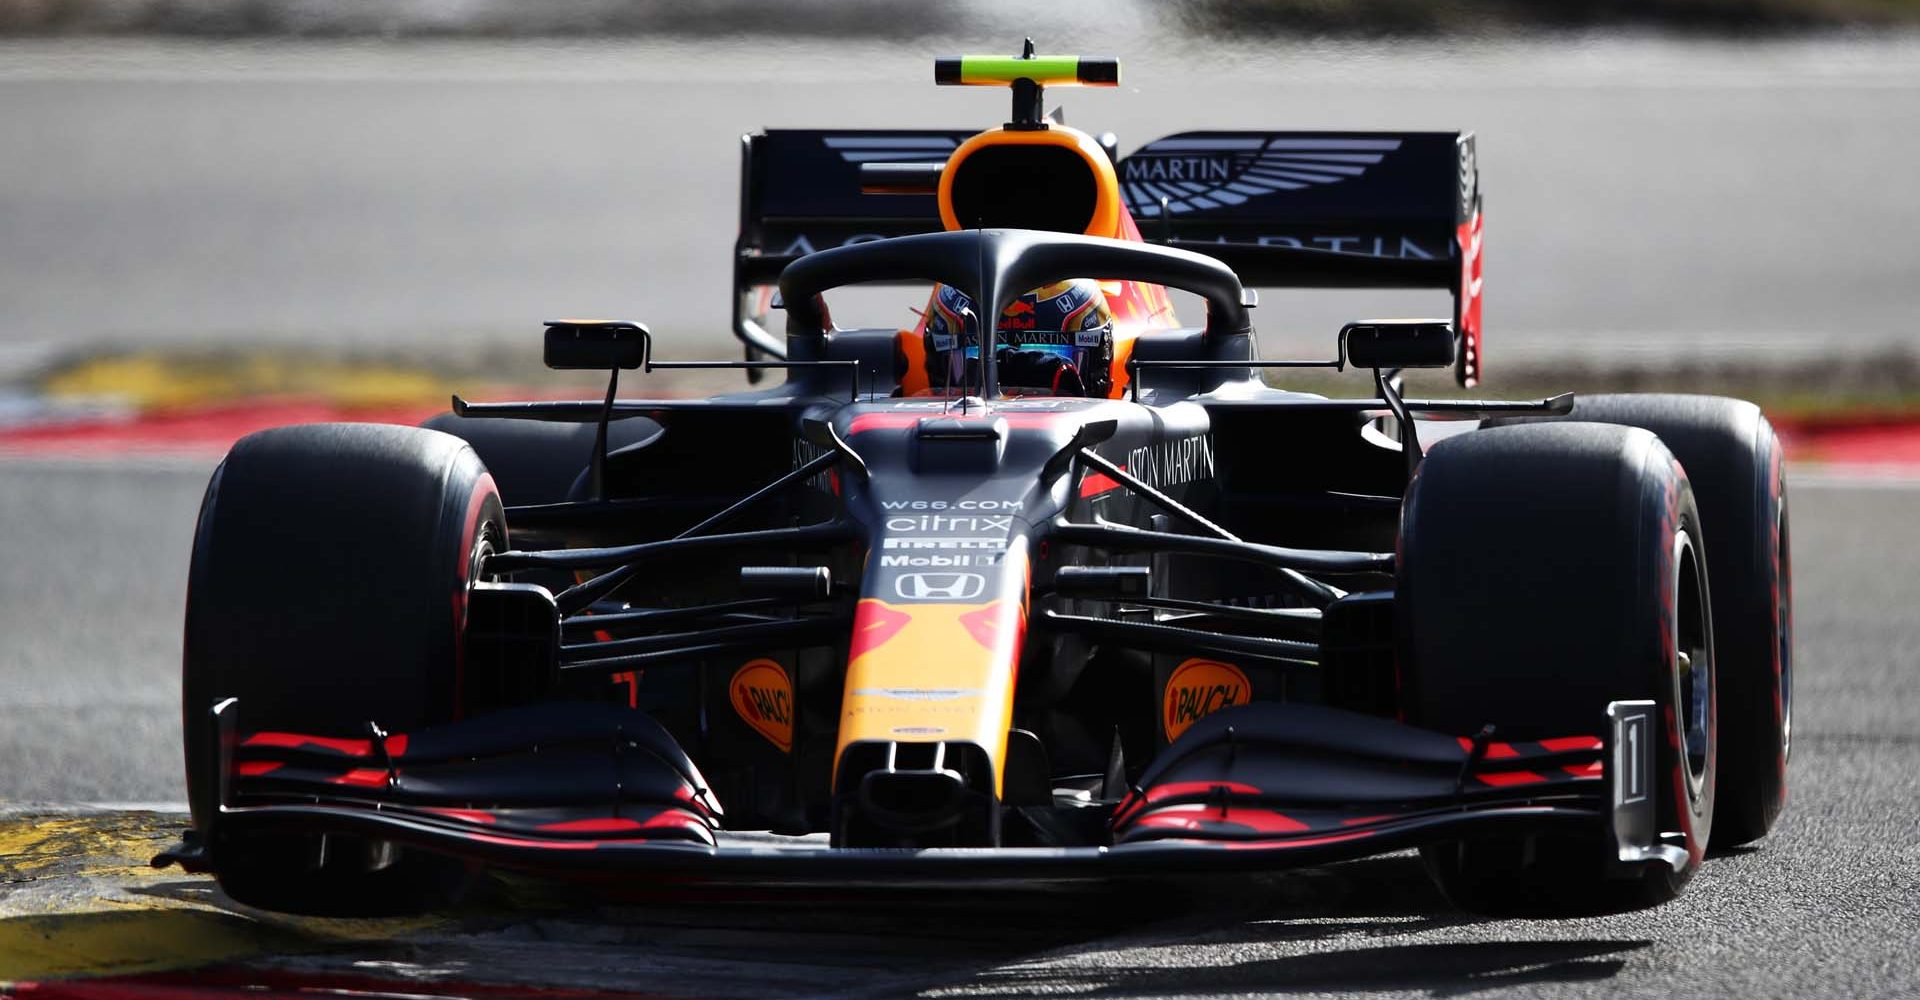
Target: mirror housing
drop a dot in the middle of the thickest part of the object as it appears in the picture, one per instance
(1398, 343)
(597, 344)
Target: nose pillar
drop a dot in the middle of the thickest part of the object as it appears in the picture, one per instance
(930, 680)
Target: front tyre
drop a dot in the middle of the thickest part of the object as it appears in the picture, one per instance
(1545, 571)
(331, 570)
(1733, 460)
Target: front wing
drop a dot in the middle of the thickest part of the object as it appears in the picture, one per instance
(603, 791)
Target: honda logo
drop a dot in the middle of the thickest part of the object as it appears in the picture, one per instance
(939, 586)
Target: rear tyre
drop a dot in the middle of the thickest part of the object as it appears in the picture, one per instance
(328, 589)
(1545, 571)
(1733, 459)
(537, 461)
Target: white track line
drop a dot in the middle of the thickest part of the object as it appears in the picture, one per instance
(1853, 477)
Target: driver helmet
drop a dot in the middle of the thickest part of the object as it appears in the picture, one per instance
(1057, 338)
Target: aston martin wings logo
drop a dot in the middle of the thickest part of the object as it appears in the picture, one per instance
(1194, 173)
(894, 148)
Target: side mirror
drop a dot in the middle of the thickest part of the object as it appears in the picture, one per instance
(597, 344)
(1398, 343)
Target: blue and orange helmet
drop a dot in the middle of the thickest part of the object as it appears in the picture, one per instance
(1057, 338)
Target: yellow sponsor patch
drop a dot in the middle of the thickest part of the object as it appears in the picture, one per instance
(1199, 688)
(763, 697)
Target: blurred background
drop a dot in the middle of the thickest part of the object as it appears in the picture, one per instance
(217, 215)
(379, 198)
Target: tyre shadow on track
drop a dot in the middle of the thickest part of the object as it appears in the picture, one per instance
(1437, 969)
(1324, 929)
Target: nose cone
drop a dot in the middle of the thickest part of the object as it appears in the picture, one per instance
(950, 501)
(936, 645)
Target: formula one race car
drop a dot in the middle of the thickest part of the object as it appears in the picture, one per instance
(1046, 586)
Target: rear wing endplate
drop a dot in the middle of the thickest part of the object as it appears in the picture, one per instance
(800, 192)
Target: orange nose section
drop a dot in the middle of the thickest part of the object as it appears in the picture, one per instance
(937, 672)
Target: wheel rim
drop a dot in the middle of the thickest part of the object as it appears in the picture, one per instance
(485, 539)
(1783, 602)
(1693, 661)
(483, 549)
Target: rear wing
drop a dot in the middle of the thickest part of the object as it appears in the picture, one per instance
(1322, 210)
(1283, 209)
(800, 192)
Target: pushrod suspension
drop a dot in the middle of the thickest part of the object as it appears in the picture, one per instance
(1317, 590)
(629, 557)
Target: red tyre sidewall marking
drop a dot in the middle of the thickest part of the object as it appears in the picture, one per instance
(483, 488)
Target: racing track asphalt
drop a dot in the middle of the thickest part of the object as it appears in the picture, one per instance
(90, 600)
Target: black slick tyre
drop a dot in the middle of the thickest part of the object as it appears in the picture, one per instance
(1733, 460)
(537, 461)
(1545, 571)
(328, 589)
